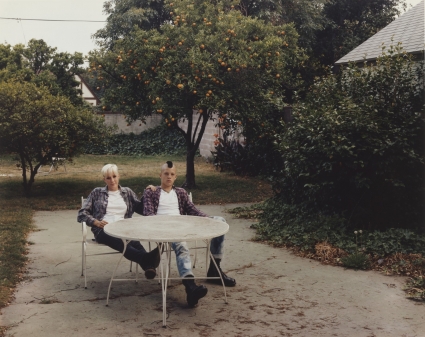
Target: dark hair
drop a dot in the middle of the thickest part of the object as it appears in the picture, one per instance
(169, 164)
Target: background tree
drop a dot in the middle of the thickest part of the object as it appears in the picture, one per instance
(40, 64)
(37, 126)
(210, 60)
(125, 16)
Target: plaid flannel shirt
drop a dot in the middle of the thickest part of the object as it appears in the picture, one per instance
(186, 207)
(94, 208)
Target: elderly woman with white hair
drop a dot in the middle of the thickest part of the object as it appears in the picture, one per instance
(113, 203)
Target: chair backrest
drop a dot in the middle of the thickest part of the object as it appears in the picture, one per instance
(82, 201)
(190, 197)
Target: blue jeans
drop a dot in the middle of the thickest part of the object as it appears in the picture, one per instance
(184, 264)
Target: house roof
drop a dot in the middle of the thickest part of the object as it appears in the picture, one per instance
(407, 29)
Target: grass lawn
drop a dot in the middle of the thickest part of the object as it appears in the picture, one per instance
(63, 190)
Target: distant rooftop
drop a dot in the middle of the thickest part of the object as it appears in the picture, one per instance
(407, 29)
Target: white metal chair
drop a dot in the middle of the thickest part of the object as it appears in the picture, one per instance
(89, 241)
(54, 161)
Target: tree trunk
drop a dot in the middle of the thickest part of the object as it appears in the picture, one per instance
(190, 170)
(33, 171)
(193, 139)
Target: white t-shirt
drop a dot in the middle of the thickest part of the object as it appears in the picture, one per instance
(168, 203)
(116, 208)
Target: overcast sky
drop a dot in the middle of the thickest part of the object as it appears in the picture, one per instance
(66, 36)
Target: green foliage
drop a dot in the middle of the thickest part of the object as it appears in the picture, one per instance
(284, 224)
(355, 147)
(353, 159)
(307, 15)
(38, 126)
(40, 64)
(256, 154)
(125, 16)
(415, 288)
(252, 159)
(356, 261)
(394, 240)
(155, 141)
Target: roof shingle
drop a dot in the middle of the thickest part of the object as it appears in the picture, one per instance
(407, 29)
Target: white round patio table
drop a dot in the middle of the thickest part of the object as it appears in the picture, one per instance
(165, 229)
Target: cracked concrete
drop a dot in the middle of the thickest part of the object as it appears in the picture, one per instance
(277, 294)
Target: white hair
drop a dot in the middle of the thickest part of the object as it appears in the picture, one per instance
(109, 169)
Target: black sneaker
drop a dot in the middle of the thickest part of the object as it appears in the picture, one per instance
(195, 293)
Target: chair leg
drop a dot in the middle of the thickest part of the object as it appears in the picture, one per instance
(131, 266)
(85, 265)
(207, 255)
(82, 259)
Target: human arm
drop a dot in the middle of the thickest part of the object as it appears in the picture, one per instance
(186, 206)
(150, 202)
(93, 209)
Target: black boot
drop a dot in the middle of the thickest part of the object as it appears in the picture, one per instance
(194, 292)
(150, 263)
(213, 272)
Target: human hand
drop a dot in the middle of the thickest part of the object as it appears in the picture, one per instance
(151, 187)
(100, 223)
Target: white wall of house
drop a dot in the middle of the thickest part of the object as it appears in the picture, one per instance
(136, 127)
(87, 94)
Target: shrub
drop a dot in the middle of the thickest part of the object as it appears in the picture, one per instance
(256, 155)
(355, 148)
(356, 261)
(284, 224)
(154, 141)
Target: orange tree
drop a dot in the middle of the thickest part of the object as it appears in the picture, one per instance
(209, 62)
